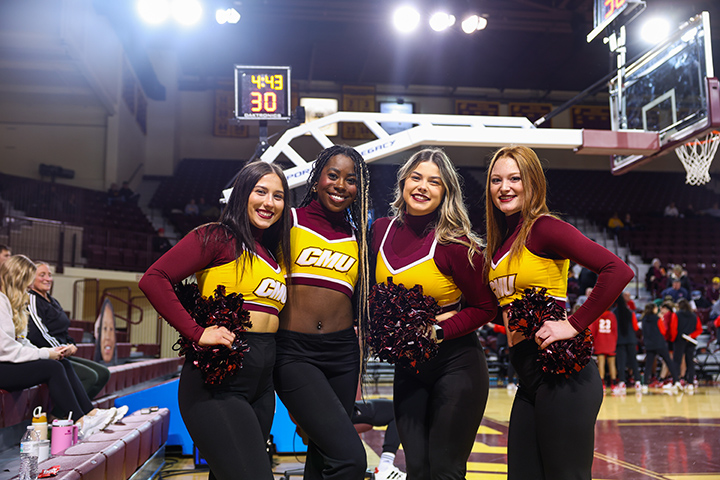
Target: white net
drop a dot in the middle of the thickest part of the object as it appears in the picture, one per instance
(697, 156)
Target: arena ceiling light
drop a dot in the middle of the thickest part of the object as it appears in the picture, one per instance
(153, 12)
(186, 12)
(406, 19)
(229, 15)
(473, 23)
(440, 21)
(655, 30)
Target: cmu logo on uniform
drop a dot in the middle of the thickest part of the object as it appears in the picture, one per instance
(271, 288)
(329, 259)
(503, 286)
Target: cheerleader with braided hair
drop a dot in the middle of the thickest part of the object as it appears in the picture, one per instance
(318, 359)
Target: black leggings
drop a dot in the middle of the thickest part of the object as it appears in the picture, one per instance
(92, 375)
(552, 423)
(378, 412)
(230, 423)
(683, 348)
(626, 357)
(665, 355)
(66, 391)
(439, 408)
(316, 377)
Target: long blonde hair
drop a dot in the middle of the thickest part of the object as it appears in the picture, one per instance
(534, 206)
(453, 222)
(16, 275)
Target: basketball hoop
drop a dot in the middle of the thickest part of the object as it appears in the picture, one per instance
(696, 157)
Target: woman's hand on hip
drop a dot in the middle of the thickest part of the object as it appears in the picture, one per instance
(216, 336)
(553, 331)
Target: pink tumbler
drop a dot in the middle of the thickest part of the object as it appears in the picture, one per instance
(64, 435)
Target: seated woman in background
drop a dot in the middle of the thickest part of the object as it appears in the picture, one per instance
(24, 365)
(49, 328)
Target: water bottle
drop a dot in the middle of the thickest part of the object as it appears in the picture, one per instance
(29, 454)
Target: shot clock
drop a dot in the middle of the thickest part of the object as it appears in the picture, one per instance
(262, 93)
(606, 12)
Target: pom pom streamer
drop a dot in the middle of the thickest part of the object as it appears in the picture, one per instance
(563, 357)
(216, 362)
(400, 320)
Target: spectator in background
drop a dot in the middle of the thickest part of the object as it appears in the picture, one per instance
(675, 292)
(23, 365)
(626, 345)
(655, 280)
(653, 328)
(629, 301)
(581, 299)
(689, 211)
(5, 253)
(49, 328)
(614, 224)
(712, 293)
(160, 242)
(685, 330)
(126, 193)
(713, 211)
(192, 208)
(628, 222)
(679, 272)
(113, 194)
(587, 279)
(671, 210)
(605, 335)
(208, 210)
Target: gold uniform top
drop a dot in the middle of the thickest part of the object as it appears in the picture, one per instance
(509, 278)
(321, 257)
(423, 271)
(261, 283)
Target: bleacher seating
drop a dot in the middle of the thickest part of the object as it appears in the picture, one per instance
(17, 406)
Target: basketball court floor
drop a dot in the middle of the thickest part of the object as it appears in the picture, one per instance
(651, 436)
(637, 437)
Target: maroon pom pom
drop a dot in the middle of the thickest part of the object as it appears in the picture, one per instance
(216, 362)
(528, 313)
(400, 320)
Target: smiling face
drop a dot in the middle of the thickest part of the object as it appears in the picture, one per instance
(337, 186)
(506, 186)
(266, 201)
(423, 191)
(43, 280)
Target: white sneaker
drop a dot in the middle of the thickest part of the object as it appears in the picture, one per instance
(120, 413)
(97, 422)
(390, 473)
(619, 389)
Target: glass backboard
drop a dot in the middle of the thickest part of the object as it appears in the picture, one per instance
(669, 90)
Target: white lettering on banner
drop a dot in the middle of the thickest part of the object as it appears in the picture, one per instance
(273, 289)
(376, 148)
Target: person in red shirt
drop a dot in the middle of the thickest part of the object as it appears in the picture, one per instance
(605, 333)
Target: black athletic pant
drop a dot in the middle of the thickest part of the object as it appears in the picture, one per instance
(683, 348)
(438, 409)
(665, 355)
(230, 423)
(316, 377)
(626, 357)
(66, 391)
(92, 375)
(552, 422)
(378, 412)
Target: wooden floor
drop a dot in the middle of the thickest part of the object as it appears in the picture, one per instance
(639, 436)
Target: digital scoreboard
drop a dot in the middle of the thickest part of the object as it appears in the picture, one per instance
(262, 93)
(606, 11)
